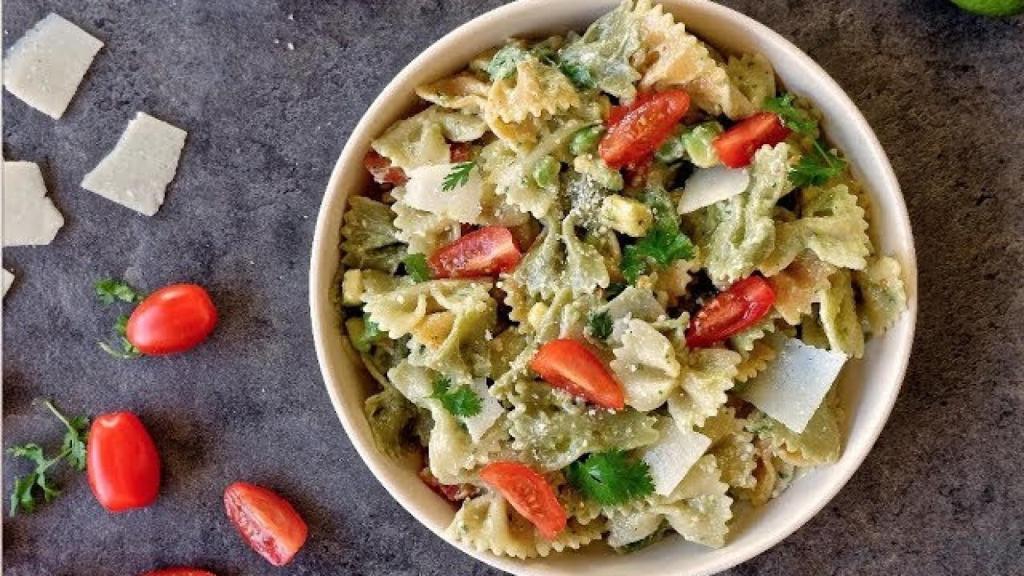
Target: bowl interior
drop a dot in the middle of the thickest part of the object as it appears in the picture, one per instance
(868, 387)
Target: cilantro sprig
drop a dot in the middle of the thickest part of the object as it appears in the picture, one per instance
(416, 267)
(816, 167)
(600, 325)
(662, 245)
(110, 291)
(611, 478)
(458, 176)
(28, 489)
(794, 118)
(123, 349)
(460, 401)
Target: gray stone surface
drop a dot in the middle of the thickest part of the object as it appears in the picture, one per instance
(269, 100)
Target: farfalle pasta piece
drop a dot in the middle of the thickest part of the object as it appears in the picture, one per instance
(706, 375)
(743, 341)
(585, 270)
(817, 445)
(883, 295)
(755, 360)
(754, 76)
(369, 236)
(602, 56)
(423, 231)
(489, 524)
(632, 303)
(559, 258)
(737, 234)
(459, 92)
(535, 90)
(390, 416)
(838, 316)
(420, 140)
(798, 286)
(733, 448)
(646, 366)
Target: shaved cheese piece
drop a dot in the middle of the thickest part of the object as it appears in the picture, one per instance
(792, 387)
(135, 173)
(8, 279)
(46, 65)
(30, 218)
(709, 185)
(672, 456)
(424, 191)
(626, 528)
(490, 410)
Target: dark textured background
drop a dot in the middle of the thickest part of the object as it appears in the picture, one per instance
(940, 493)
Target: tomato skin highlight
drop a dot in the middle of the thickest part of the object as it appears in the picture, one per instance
(382, 171)
(122, 462)
(527, 492)
(737, 145)
(179, 572)
(484, 252)
(635, 135)
(173, 319)
(266, 521)
(734, 310)
(568, 364)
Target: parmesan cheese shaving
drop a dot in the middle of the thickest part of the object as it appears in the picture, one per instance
(424, 191)
(46, 65)
(792, 387)
(709, 185)
(672, 456)
(8, 279)
(139, 168)
(490, 411)
(30, 218)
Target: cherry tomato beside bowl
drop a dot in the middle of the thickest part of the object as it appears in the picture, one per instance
(173, 319)
(122, 462)
(179, 572)
(267, 521)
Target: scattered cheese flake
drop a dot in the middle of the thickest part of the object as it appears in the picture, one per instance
(8, 279)
(46, 65)
(30, 218)
(462, 203)
(490, 411)
(141, 165)
(672, 456)
(709, 185)
(792, 387)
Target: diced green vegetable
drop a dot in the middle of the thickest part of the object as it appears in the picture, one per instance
(672, 150)
(585, 140)
(362, 333)
(545, 172)
(698, 144)
(626, 215)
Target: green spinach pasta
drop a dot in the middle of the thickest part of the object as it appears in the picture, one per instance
(606, 283)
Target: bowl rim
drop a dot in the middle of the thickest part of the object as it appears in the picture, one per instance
(323, 272)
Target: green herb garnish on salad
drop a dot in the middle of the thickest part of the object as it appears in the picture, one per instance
(611, 478)
(796, 119)
(662, 245)
(460, 401)
(458, 176)
(600, 325)
(816, 167)
(416, 267)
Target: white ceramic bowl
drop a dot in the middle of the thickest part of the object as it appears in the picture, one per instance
(869, 387)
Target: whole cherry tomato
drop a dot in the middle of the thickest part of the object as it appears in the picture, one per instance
(267, 521)
(122, 462)
(173, 319)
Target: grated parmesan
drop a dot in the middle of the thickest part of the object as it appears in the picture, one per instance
(30, 218)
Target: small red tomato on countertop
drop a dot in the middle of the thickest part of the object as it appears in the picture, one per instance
(267, 521)
(122, 463)
(173, 319)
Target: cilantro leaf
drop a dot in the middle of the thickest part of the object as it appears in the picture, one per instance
(124, 349)
(74, 438)
(503, 63)
(458, 176)
(460, 401)
(611, 478)
(600, 325)
(817, 167)
(663, 244)
(109, 291)
(369, 336)
(578, 74)
(24, 495)
(796, 119)
(416, 267)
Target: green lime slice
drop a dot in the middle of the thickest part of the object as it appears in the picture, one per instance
(992, 7)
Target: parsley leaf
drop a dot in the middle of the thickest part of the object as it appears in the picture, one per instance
(458, 176)
(24, 495)
(109, 291)
(124, 349)
(817, 167)
(796, 119)
(460, 401)
(663, 244)
(611, 478)
(600, 325)
(370, 335)
(416, 267)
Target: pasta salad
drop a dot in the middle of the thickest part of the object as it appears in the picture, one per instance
(606, 282)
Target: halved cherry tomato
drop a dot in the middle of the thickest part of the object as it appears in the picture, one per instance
(179, 572)
(529, 494)
(643, 128)
(450, 492)
(732, 311)
(382, 171)
(122, 462)
(737, 145)
(267, 521)
(483, 252)
(173, 319)
(460, 152)
(568, 364)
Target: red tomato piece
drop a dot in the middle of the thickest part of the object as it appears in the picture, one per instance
(173, 319)
(267, 521)
(483, 252)
(643, 128)
(122, 462)
(450, 492)
(382, 171)
(460, 152)
(179, 572)
(568, 364)
(732, 311)
(529, 494)
(737, 145)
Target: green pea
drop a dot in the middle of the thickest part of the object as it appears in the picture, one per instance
(698, 144)
(545, 172)
(672, 150)
(585, 140)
